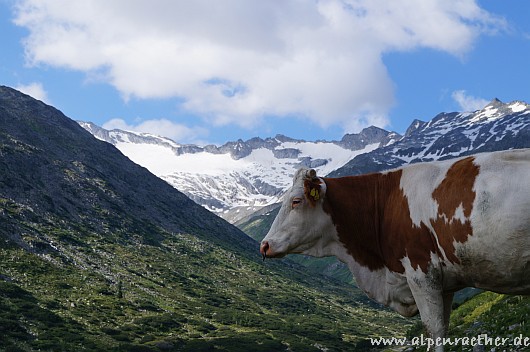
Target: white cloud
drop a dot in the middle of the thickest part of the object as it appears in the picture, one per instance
(238, 61)
(468, 102)
(35, 90)
(161, 127)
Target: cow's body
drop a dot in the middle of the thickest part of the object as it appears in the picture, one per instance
(415, 235)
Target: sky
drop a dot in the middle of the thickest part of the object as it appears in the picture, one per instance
(208, 72)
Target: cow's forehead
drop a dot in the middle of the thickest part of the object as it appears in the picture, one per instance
(298, 178)
(296, 190)
(298, 184)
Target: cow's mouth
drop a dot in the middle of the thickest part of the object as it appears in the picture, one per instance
(263, 249)
(268, 252)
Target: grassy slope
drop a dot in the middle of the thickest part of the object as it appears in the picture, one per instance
(97, 254)
(488, 313)
(86, 292)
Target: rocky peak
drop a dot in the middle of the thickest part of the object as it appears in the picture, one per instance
(369, 135)
(494, 103)
(414, 126)
(498, 126)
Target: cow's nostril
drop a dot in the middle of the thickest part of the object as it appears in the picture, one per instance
(264, 248)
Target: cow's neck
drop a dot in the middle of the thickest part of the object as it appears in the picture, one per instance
(355, 205)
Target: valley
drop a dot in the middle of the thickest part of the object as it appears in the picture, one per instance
(99, 254)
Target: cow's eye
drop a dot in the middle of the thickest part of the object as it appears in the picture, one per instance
(296, 202)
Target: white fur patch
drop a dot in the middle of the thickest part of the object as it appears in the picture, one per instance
(418, 182)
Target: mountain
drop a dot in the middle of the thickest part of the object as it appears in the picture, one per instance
(98, 254)
(239, 178)
(51, 166)
(243, 181)
(498, 126)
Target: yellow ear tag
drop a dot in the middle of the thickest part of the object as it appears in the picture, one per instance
(314, 194)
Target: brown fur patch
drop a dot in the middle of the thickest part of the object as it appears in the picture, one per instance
(349, 201)
(372, 217)
(454, 191)
(399, 236)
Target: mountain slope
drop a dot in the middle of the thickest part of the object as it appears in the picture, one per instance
(497, 316)
(97, 254)
(242, 177)
(498, 126)
(239, 177)
(53, 166)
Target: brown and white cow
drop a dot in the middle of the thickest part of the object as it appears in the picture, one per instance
(415, 235)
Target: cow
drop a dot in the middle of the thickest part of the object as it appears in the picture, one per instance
(415, 235)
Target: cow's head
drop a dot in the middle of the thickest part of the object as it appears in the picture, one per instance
(301, 225)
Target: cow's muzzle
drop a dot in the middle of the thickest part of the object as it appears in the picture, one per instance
(263, 249)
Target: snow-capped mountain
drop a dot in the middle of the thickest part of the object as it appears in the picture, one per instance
(240, 177)
(498, 126)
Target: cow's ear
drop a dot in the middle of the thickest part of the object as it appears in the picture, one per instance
(312, 187)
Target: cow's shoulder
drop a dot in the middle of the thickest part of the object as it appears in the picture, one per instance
(441, 198)
(400, 236)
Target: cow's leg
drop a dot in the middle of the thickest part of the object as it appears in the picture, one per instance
(448, 305)
(430, 302)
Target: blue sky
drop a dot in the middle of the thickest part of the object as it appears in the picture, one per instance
(214, 71)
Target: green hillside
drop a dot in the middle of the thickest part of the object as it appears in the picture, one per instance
(184, 294)
(501, 317)
(97, 254)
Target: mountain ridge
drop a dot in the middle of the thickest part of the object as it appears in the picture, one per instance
(498, 126)
(41, 133)
(240, 177)
(240, 148)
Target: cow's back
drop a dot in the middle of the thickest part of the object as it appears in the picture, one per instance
(497, 255)
(478, 209)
